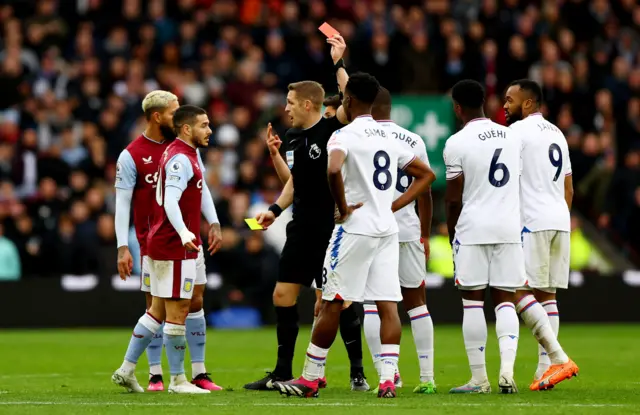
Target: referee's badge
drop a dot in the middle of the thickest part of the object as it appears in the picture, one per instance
(290, 159)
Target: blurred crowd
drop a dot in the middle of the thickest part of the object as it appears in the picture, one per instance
(73, 74)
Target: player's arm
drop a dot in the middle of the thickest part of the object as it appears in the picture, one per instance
(284, 201)
(338, 152)
(568, 180)
(178, 172)
(423, 178)
(274, 143)
(453, 192)
(208, 209)
(125, 182)
(338, 47)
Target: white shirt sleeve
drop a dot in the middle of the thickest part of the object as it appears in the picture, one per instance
(125, 171)
(452, 161)
(207, 206)
(567, 162)
(123, 211)
(338, 141)
(405, 157)
(178, 172)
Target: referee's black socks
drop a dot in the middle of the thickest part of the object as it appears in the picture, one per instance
(351, 335)
(287, 332)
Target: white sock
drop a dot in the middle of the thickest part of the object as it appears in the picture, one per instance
(197, 368)
(128, 366)
(321, 375)
(314, 362)
(371, 325)
(551, 307)
(507, 330)
(422, 329)
(537, 320)
(474, 331)
(155, 370)
(389, 354)
(176, 379)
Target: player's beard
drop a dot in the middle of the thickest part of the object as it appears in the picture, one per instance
(167, 132)
(513, 117)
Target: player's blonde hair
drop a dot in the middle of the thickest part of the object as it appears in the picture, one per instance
(156, 101)
(309, 90)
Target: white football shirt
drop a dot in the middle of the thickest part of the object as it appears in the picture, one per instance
(407, 219)
(489, 156)
(545, 163)
(369, 172)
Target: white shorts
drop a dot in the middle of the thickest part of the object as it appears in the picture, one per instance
(172, 279)
(546, 258)
(497, 265)
(359, 266)
(413, 267)
(145, 280)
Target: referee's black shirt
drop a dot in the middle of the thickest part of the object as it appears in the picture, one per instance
(306, 155)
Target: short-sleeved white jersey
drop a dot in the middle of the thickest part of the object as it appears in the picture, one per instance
(408, 220)
(489, 156)
(369, 172)
(545, 163)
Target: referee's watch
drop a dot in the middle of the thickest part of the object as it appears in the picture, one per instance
(277, 210)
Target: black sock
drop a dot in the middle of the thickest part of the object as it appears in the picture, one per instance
(287, 331)
(351, 335)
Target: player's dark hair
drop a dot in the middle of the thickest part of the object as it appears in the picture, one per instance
(468, 94)
(531, 87)
(363, 87)
(333, 101)
(381, 108)
(186, 114)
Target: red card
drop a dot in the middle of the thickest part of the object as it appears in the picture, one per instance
(328, 30)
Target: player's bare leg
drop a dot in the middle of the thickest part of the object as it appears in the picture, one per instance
(415, 302)
(154, 355)
(538, 318)
(322, 337)
(474, 331)
(142, 335)
(285, 298)
(196, 326)
(508, 332)
(175, 344)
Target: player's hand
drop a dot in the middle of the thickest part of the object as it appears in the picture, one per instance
(191, 247)
(125, 262)
(273, 141)
(338, 46)
(317, 306)
(343, 218)
(215, 238)
(266, 218)
(427, 248)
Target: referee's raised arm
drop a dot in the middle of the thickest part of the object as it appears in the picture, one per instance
(338, 47)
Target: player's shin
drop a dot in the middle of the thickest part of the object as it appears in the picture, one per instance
(175, 344)
(507, 330)
(474, 331)
(324, 333)
(535, 317)
(196, 333)
(390, 334)
(350, 332)
(141, 337)
(372, 333)
(422, 330)
(154, 353)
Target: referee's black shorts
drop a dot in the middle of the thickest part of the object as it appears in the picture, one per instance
(303, 254)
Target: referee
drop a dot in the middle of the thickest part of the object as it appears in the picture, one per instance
(305, 173)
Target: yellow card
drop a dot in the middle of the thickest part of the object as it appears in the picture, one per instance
(253, 224)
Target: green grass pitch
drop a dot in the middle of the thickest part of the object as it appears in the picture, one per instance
(68, 372)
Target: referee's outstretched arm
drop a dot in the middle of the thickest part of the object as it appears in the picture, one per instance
(338, 46)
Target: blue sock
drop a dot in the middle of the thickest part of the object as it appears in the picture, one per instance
(154, 353)
(140, 338)
(196, 326)
(175, 344)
